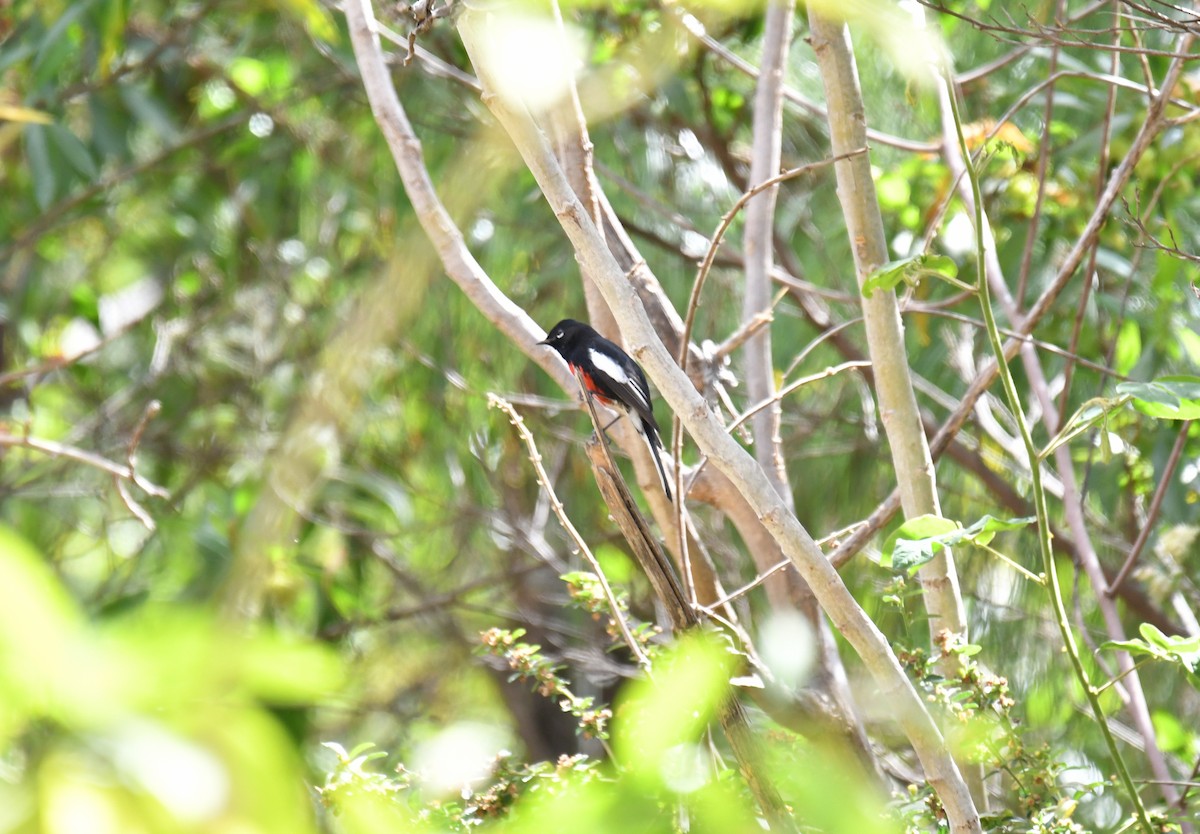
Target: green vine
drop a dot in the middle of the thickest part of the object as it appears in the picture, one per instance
(1035, 467)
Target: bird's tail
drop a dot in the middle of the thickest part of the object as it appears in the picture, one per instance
(655, 444)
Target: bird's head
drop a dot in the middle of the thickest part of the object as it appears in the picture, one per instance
(564, 334)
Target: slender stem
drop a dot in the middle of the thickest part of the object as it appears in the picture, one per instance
(1035, 466)
(1118, 678)
(1017, 566)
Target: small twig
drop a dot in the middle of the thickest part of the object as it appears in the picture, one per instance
(689, 318)
(496, 401)
(1043, 166)
(1173, 249)
(774, 398)
(1183, 797)
(430, 604)
(756, 323)
(722, 227)
(1115, 680)
(61, 450)
(1019, 568)
(1155, 505)
(778, 397)
(749, 586)
(774, 569)
(139, 512)
(149, 413)
(1040, 344)
(1081, 308)
(697, 30)
(55, 363)
(796, 384)
(423, 15)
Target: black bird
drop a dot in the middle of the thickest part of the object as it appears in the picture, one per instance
(612, 376)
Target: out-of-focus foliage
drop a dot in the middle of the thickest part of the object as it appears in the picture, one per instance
(157, 720)
(197, 200)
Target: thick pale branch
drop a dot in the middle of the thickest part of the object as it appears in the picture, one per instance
(765, 157)
(885, 334)
(452, 249)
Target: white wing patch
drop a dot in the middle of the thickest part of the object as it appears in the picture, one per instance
(607, 365)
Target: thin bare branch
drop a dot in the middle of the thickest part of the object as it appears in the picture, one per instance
(496, 401)
(1160, 492)
(62, 450)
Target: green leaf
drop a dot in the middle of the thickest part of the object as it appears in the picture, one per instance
(916, 542)
(40, 634)
(1129, 347)
(910, 271)
(251, 75)
(37, 152)
(1089, 414)
(313, 15)
(73, 151)
(922, 538)
(112, 39)
(1166, 398)
(1180, 651)
(983, 531)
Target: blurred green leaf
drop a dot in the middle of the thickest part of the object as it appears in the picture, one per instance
(671, 710)
(115, 15)
(1167, 398)
(313, 15)
(1129, 346)
(37, 152)
(40, 634)
(73, 151)
(250, 74)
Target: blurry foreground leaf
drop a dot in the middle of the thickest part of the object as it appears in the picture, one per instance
(157, 720)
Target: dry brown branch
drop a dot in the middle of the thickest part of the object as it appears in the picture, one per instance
(556, 505)
(659, 571)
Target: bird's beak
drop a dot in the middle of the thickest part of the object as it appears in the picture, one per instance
(545, 341)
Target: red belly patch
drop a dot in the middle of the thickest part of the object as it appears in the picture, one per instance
(590, 385)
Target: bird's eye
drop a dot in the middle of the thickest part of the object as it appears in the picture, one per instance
(557, 334)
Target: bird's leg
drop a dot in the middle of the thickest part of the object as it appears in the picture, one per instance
(610, 423)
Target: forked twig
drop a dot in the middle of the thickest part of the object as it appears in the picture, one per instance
(535, 457)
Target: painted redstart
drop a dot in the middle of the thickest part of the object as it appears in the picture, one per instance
(611, 376)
